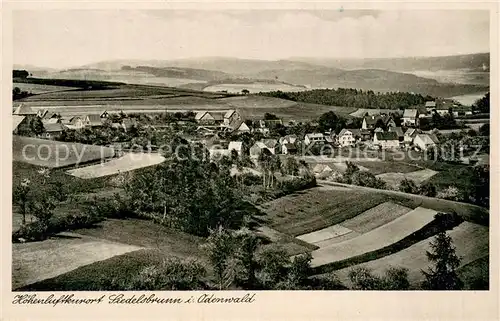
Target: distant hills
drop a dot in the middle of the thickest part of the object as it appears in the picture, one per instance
(443, 76)
(472, 62)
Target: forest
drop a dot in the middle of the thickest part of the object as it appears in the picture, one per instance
(357, 98)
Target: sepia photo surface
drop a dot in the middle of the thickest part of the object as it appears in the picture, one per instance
(230, 151)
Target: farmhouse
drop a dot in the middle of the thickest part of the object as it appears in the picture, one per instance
(257, 149)
(371, 122)
(387, 140)
(16, 121)
(410, 135)
(348, 137)
(209, 118)
(398, 131)
(410, 117)
(242, 128)
(271, 145)
(288, 139)
(378, 130)
(288, 149)
(77, 122)
(322, 170)
(23, 110)
(231, 116)
(52, 130)
(425, 141)
(237, 146)
(104, 114)
(314, 138)
(94, 120)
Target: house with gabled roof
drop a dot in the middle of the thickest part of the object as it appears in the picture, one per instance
(52, 130)
(24, 110)
(425, 141)
(94, 120)
(410, 117)
(237, 146)
(209, 118)
(314, 138)
(16, 121)
(387, 140)
(398, 131)
(410, 135)
(348, 136)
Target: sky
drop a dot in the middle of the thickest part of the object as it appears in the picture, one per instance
(62, 39)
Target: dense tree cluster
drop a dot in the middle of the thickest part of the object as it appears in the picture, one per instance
(353, 98)
(482, 105)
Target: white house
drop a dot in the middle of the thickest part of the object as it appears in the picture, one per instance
(410, 135)
(348, 137)
(410, 117)
(314, 138)
(208, 118)
(387, 140)
(322, 170)
(237, 146)
(16, 121)
(288, 139)
(425, 141)
(430, 106)
(53, 130)
(257, 149)
(243, 128)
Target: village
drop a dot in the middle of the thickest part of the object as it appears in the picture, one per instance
(398, 130)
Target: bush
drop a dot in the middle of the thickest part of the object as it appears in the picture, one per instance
(31, 232)
(172, 274)
(408, 186)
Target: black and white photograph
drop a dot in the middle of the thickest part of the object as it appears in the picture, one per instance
(250, 149)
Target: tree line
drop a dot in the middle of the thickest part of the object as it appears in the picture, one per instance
(350, 97)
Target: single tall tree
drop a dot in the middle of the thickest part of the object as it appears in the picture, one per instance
(442, 275)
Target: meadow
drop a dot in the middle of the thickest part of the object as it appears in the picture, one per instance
(53, 154)
(254, 87)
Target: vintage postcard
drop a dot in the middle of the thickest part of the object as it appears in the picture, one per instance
(249, 160)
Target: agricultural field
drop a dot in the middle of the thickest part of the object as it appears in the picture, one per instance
(470, 240)
(382, 167)
(53, 154)
(394, 179)
(126, 163)
(36, 261)
(317, 208)
(255, 87)
(142, 243)
(377, 238)
(41, 89)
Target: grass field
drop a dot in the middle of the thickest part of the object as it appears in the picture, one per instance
(40, 89)
(36, 261)
(53, 154)
(377, 238)
(470, 240)
(126, 163)
(382, 167)
(419, 177)
(375, 217)
(317, 208)
(325, 234)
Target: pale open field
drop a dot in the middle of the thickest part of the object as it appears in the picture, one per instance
(36, 261)
(50, 153)
(324, 234)
(470, 240)
(375, 217)
(126, 163)
(40, 89)
(378, 238)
